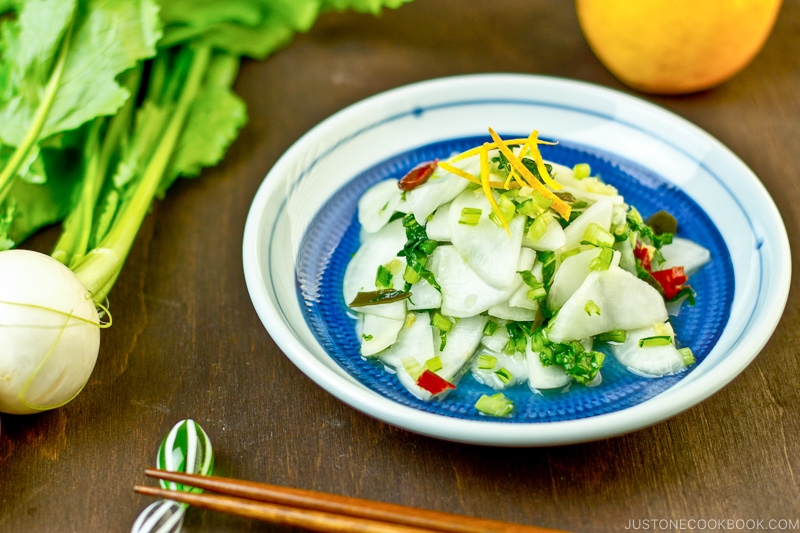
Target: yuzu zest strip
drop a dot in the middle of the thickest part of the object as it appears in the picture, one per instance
(487, 189)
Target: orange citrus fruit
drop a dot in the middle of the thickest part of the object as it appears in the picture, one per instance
(676, 46)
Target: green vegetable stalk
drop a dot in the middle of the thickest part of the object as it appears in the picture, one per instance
(105, 103)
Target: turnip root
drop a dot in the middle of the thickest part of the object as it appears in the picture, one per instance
(49, 333)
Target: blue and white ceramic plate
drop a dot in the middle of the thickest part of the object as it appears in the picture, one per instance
(302, 230)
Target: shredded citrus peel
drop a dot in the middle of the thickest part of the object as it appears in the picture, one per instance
(487, 188)
(558, 204)
(476, 179)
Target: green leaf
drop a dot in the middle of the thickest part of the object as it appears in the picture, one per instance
(108, 37)
(214, 122)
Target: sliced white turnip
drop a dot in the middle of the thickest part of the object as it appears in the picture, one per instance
(377, 205)
(599, 213)
(498, 369)
(552, 239)
(379, 249)
(424, 296)
(438, 227)
(378, 333)
(49, 333)
(440, 188)
(486, 247)
(462, 340)
(414, 340)
(686, 253)
(464, 292)
(649, 361)
(607, 300)
(571, 273)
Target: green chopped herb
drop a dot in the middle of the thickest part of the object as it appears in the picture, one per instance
(383, 278)
(434, 364)
(656, 340)
(603, 259)
(507, 208)
(591, 308)
(470, 216)
(687, 356)
(504, 375)
(417, 250)
(582, 170)
(413, 367)
(441, 322)
(366, 337)
(486, 361)
(489, 328)
(597, 235)
(615, 335)
(496, 405)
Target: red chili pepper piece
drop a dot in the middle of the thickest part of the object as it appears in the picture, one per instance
(643, 255)
(417, 175)
(671, 280)
(433, 383)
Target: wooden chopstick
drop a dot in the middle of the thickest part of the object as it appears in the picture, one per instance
(318, 511)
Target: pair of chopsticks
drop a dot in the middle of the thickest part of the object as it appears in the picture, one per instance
(316, 511)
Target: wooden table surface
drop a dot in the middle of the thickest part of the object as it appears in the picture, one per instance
(186, 342)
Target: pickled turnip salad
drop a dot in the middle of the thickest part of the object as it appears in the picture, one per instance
(517, 270)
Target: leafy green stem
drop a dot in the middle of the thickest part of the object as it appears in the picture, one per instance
(22, 151)
(100, 267)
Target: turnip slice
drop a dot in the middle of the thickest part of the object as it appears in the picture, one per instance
(570, 275)
(513, 368)
(648, 361)
(461, 343)
(424, 296)
(378, 333)
(542, 377)
(506, 311)
(464, 292)
(625, 302)
(440, 189)
(486, 247)
(686, 253)
(553, 238)
(377, 204)
(415, 340)
(438, 227)
(378, 249)
(49, 333)
(599, 213)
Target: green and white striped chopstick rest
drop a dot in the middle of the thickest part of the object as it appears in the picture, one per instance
(186, 448)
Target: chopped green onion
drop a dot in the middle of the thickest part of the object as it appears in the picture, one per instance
(504, 375)
(507, 209)
(539, 226)
(597, 235)
(537, 290)
(441, 322)
(413, 367)
(536, 294)
(490, 328)
(383, 279)
(434, 364)
(567, 253)
(582, 170)
(470, 216)
(366, 337)
(615, 335)
(603, 260)
(486, 361)
(497, 405)
(591, 308)
(687, 356)
(410, 275)
(656, 340)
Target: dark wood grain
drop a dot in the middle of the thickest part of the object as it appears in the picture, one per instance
(186, 342)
